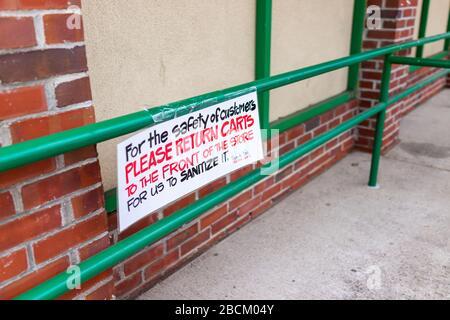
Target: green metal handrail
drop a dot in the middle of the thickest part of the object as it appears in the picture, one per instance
(52, 145)
(38, 149)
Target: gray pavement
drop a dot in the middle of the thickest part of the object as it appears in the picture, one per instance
(337, 239)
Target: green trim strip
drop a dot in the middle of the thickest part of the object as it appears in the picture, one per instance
(447, 41)
(262, 55)
(312, 111)
(423, 26)
(359, 14)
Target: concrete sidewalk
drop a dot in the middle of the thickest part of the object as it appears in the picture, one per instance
(337, 239)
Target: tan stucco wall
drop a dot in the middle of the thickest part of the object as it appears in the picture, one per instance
(151, 52)
(305, 33)
(437, 23)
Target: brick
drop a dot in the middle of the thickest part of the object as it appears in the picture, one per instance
(181, 236)
(161, 265)
(142, 259)
(141, 224)
(73, 92)
(179, 204)
(86, 286)
(129, 284)
(241, 172)
(286, 148)
(17, 32)
(311, 124)
(305, 138)
(68, 238)
(224, 222)
(79, 155)
(28, 227)
(399, 3)
(54, 187)
(260, 187)
(261, 209)
(22, 101)
(11, 177)
(283, 174)
(112, 221)
(37, 4)
(213, 217)
(240, 199)
(43, 126)
(7, 207)
(31, 280)
(13, 264)
(295, 132)
(88, 202)
(57, 30)
(248, 208)
(271, 192)
(104, 292)
(42, 64)
(387, 14)
(94, 247)
(194, 242)
(211, 187)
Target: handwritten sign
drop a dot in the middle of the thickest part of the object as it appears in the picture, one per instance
(167, 161)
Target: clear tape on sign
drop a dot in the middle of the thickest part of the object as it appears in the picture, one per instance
(164, 113)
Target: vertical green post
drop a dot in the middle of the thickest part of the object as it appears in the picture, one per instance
(262, 55)
(359, 13)
(378, 142)
(423, 26)
(447, 41)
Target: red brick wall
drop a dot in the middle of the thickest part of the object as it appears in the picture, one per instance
(398, 21)
(51, 212)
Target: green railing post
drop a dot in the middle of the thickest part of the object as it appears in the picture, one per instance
(359, 14)
(447, 41)
(423, 26)
(262, 55)
(381, 116)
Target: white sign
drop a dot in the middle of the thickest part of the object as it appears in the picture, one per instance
(167, 161)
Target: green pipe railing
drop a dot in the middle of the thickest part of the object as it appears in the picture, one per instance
(49, 146)
(38, 149)
(381, 116)
(435, 63)
(423, 26)
(359, 16)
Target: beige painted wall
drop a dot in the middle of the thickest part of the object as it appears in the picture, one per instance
(437, 23)
(304, 33)
(151, 52)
